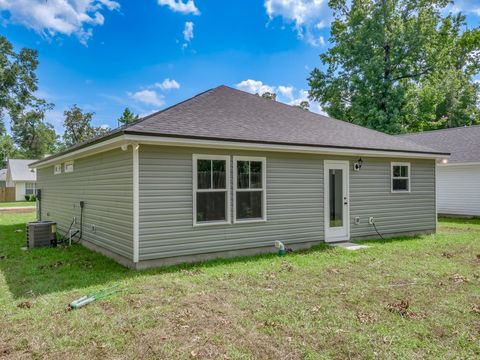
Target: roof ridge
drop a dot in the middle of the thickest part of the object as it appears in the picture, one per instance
(323, 117)
(126, 126)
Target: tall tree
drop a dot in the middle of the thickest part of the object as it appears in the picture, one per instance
(269, 95)
(7, 150)
(78, 127)
(18, 81)
(304, 105)
(395, 66)
(127, 117)
(34, 137)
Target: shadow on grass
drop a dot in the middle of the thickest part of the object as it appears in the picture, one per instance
(47, 270)
(388, 240)
(460, 220)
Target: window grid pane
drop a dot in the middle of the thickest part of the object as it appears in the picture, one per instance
(249, 204)
(249, 195)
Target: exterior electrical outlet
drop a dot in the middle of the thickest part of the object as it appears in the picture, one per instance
(371, 220)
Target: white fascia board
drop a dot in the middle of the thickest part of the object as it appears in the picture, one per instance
(120, 140)
(459, 163)
(83, 152)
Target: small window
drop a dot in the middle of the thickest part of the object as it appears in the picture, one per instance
(57, 169)
(250, 192)
(211, 181)
(29, 188)
(68, 167)
(400, 177)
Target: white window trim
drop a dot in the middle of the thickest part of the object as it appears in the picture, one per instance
(195, 158)
(263, 160)
(65, 166)
(409, 177)
(55, 171)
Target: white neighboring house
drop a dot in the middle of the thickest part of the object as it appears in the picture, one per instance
(458, 178)
(3, 177)
(21, 177)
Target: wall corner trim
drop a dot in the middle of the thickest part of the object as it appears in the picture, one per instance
(136, 203)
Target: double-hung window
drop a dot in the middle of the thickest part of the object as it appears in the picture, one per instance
(211, 183)
(29, 188)
(250, 193)
(400, 177)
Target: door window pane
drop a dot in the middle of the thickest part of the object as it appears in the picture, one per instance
(336, 197)
(249, 204)
(211, 206)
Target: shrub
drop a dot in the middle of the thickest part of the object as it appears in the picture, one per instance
(33, 198)
(27, 197)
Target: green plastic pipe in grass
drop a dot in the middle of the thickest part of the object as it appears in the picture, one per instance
(281, 248)
(85, 300)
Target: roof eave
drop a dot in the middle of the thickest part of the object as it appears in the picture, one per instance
(127, 137)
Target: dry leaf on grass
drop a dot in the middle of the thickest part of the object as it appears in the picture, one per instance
(447, 255)
(333, 271)
(458, 279)
(286, 266)
(402, 308)
(24, 305)
(366, 318)
(476, 309)
(191, 272)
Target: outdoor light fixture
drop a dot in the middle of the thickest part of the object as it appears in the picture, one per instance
(358, 165)
(444, 161)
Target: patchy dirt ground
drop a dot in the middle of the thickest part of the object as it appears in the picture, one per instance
(404, 298)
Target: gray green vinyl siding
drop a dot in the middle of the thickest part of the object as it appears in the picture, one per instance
(295, 202)
(104, 182)
(294, 205)
(370, 195)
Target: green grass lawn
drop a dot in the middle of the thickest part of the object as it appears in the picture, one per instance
(318, 304)
(17, 203)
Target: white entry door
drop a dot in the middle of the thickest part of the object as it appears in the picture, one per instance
(337, 215)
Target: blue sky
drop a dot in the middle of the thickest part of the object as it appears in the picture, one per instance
(105, 55)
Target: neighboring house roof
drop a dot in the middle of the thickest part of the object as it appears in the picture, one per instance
(462, 142)
(19, 170)
(3, 174)
(227, 114)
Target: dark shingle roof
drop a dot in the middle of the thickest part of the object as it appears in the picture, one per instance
(229, 114)
(463, 142)
(224, 113)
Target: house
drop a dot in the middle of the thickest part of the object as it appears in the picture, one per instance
(227, 173)
(458, 178)
(21, 177)
(3, 177)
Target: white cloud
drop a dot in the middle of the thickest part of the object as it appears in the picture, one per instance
(286, 94)
(188, 31)
(286, 91)
(52, 17)
(168, 84)
(149, 97)
(105, 127)
(309, 16)
(255, 86)
(187, 7)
